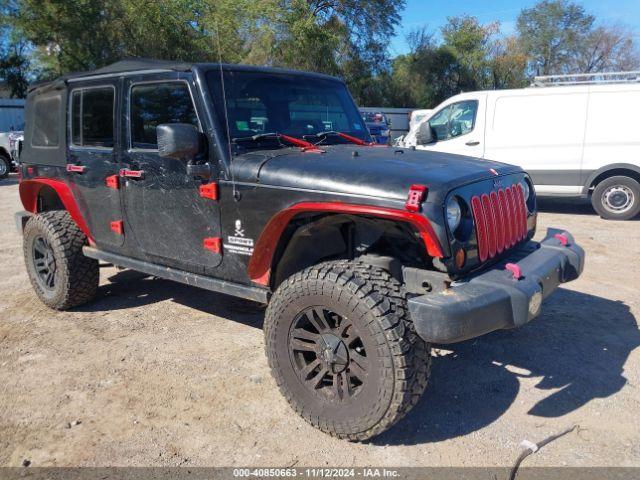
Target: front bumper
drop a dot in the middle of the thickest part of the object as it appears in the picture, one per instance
(495, 299)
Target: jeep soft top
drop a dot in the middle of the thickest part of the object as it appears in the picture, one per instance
(265, 184)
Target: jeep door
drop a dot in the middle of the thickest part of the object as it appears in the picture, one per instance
(92, 158)
(169, 220)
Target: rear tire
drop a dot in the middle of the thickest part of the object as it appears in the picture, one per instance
(5, 166)
(60, 274)
(343, 349)
(617, 198)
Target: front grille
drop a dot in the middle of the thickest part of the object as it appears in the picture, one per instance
(501, 220)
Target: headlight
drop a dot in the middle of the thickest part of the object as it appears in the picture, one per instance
(454, 214)
(527, 190)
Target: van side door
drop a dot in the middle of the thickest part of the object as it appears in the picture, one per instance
(541, 130)
(170, 222)
(92, 158)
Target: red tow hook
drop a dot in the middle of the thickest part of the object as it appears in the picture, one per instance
(563, 238)
(515, 270)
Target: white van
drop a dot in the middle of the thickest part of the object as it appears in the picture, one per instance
(577, 136)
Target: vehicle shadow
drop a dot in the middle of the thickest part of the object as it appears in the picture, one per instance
(577, 348)
(573, 206)
(130, 289)
(12, 179)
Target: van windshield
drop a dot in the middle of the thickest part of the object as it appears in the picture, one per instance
(296, 105)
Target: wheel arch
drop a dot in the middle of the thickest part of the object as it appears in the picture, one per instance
(276, 237)
(44, 194)
(615, 169)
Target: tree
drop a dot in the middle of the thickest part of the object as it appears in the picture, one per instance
(15, 68)
(508, 64)
(551, 32)
(470, 42)
(340, 37)
(607, 48)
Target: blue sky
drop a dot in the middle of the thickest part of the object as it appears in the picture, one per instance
(434, 13)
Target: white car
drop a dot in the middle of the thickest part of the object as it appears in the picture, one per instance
(416, 117)
(575, 137)
(9, 150)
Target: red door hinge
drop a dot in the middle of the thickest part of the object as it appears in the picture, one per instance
(71, 168)
(112, 181)
(125, 172)
(117, 227)
(209, 190)
(213, 243)
(417, 194)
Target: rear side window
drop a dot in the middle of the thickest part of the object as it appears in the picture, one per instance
(46, 111)
(92, 117)
(153, 104)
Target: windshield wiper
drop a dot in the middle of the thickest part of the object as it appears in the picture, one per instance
(356, 140)
(306, 146)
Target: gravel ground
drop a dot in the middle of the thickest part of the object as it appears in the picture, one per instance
(156, 373)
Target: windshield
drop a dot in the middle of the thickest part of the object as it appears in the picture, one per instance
(295, 105)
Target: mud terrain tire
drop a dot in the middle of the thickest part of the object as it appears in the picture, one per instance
(60, 274)
(362, 403)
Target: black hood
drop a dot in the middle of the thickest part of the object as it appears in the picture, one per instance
(371, 171)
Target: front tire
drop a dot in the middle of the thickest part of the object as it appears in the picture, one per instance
(617, 198)
(60, 274)
(5, 166)
(343, 349)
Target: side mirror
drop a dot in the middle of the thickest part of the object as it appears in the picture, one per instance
(181, 141)
(425, 134)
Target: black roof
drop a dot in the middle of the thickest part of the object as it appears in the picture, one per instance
(142, 64)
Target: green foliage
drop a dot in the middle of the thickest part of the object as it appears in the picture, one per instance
(471, 56)
(346, 38)
(551, 32)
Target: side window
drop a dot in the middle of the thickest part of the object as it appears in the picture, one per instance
(153, 104)
(92, 117)
(46, 122)
(440, 123)
(455, 120)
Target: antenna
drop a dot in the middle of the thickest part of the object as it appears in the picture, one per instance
(236, 196)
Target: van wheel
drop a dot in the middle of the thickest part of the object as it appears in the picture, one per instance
(60, 274)
(617, 198)
(5, 166)
(343, 350)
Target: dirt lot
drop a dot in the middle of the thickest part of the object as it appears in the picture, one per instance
(156, 373)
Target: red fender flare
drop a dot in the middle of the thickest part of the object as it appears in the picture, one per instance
(29, 190)
(260, 264)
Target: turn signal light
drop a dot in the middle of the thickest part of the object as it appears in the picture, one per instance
(461, 257)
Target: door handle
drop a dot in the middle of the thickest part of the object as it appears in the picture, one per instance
(472, 143)
(71, 168)
(134, 174)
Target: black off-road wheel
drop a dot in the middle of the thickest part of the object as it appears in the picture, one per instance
(343, 349)
(5, 166)
(617, 198)
(60, 274)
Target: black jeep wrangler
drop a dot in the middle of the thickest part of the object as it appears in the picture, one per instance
(265, 184)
